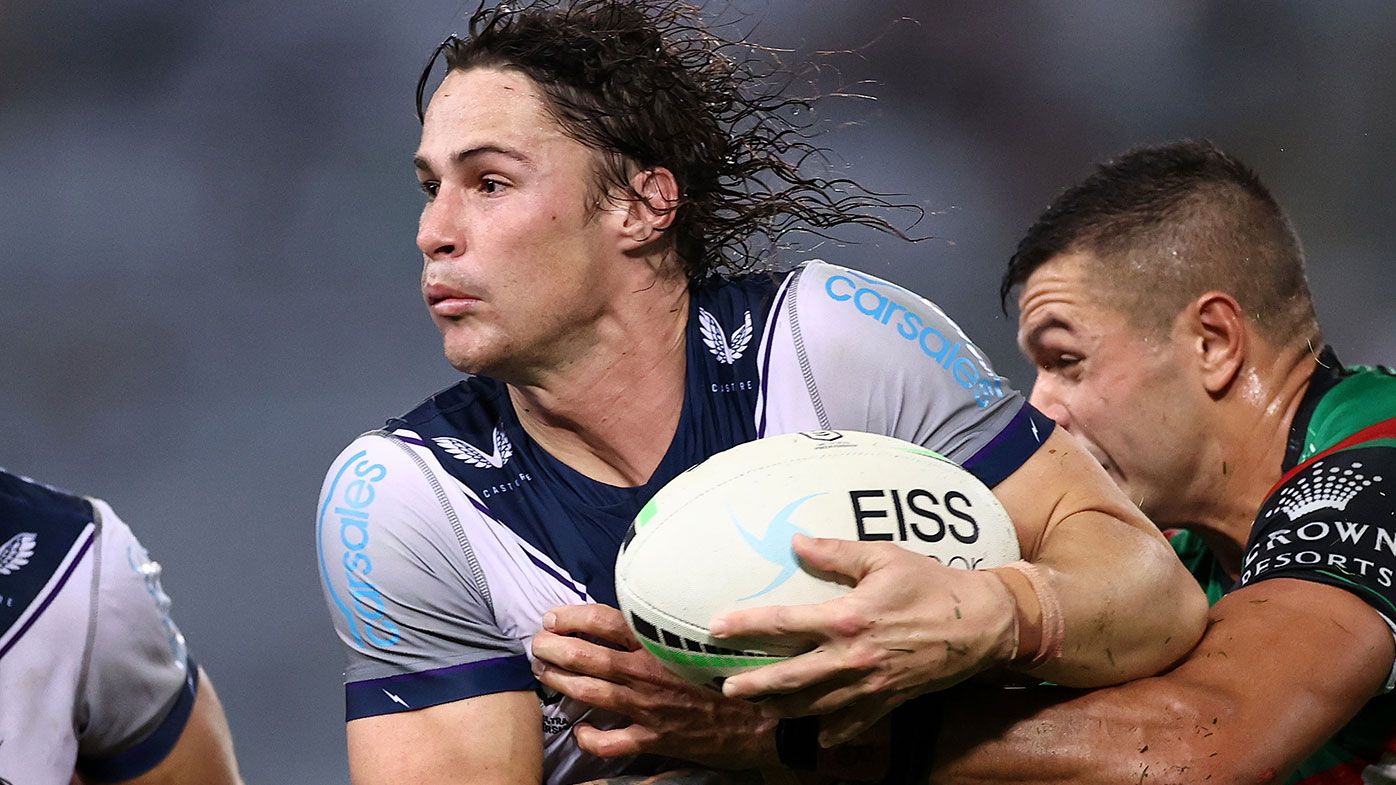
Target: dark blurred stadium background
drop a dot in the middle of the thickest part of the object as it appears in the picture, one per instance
(209, 282)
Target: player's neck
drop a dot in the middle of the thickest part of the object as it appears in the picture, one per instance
(1251, 436)
(611, 411)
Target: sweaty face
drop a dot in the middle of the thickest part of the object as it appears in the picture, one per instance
(514, 254)
(1123, 392)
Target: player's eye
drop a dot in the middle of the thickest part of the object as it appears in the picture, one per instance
(430, 187)
(1060, 362)
(490, 185)
(1066, 364)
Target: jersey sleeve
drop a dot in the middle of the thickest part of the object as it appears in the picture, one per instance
(1333, 520)
(872, 356)
(404, 590)
(139, 684)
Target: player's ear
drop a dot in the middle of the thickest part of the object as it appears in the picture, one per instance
(1219, 338)
(653, 211)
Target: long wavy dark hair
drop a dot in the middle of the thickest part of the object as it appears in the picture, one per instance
(647, 84)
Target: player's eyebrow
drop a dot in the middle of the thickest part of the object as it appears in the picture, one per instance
(461, 156)
(1032, 338)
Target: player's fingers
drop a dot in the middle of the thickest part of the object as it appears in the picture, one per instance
(849, 558)
(784, 677)
(642, 666)
(579, 656)
(599, 621)
(616, 743)
(799, 622)
(590, 690)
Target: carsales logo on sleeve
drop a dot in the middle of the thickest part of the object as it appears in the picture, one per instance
(1337, 517)
(954, 353)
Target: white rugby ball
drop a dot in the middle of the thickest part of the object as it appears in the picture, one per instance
(718, 537)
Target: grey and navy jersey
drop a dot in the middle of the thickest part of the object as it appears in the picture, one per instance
(445, 536)
(94, 676)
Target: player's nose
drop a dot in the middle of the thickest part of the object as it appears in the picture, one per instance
(440, 234)
(1046, 397)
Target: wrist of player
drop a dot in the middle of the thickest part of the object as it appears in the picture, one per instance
(1037, 626)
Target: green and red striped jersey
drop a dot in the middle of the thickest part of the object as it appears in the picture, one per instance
(1331, 519)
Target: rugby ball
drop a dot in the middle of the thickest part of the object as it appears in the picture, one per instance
(718, 537)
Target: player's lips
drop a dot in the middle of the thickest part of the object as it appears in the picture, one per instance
(444, 300)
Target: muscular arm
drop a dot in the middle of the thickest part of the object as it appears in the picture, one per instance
(492, 739)
(1130, 607)
(1283, 665)
(204, 753)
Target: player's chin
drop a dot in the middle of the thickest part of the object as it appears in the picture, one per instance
(466, 353)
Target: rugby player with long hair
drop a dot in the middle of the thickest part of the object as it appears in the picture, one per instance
(603, 182)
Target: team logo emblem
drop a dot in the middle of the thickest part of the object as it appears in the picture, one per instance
(774, 547)
(726, 350)
(1321, 489)
(465, 451)
(16, 551)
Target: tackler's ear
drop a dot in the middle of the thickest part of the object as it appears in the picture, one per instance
(653, 212)
(1220, 334)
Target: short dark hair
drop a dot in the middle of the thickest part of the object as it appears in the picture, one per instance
(646, 84)
(1166, 223)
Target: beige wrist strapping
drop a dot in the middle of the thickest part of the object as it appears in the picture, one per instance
(1053, 625)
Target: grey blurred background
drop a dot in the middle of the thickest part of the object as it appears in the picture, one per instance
(209, 282)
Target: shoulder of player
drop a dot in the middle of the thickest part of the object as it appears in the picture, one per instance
(42, 530)
(1353, 422)
(26, 499)
(382, 482)
(841, 298)
(851, 316)
(1360, 407)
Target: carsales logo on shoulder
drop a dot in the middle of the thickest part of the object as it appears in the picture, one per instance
(873, 299)
(349, 504)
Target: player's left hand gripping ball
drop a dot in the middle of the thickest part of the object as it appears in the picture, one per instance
(669, 716)
(909, 626)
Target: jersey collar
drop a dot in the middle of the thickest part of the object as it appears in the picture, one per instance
(1328, 371)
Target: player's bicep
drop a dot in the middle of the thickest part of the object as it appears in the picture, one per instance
(491, 739)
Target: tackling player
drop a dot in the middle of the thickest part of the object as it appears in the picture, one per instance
(1165, 303)
(595, 172)
(95, 682)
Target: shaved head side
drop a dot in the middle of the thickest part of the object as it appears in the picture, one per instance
(1161, 225)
